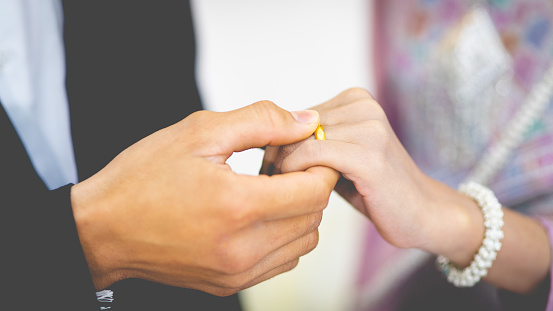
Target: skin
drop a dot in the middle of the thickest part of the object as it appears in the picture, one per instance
(408, 208)
(169, 210)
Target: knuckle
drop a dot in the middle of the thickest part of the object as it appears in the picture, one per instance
(321, 194)
(358, 92)
(312, 150)
(237, 209)
(370, 108)
(376, 108)
(232, 261)
(197, 123)
(285, 151)
(234, 283)
(198, 118)
(309, 223)
(234, 267)
(325, 197)
(377, 132)
(224, 292)
(311, 241)
(241, 214)
(282, 156)
(312, 221)
(269, 113)
(303, 153)
(290, 265)
(265, 109)
(266, 105)
(293, 264)
(378, 111)
(316, 219)
(377, 145)
(282, 163)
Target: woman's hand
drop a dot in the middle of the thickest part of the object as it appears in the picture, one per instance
(379, 178)
(408, 208)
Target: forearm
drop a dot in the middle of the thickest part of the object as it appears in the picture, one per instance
(525, 257)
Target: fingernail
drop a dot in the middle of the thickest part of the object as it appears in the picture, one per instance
(306, 116)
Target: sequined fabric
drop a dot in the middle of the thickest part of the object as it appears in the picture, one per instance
(457, 71)
(451, 75)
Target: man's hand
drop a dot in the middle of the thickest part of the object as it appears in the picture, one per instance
(168, 209)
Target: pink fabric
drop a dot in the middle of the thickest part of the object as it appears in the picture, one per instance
(377, 255)
(406, 35)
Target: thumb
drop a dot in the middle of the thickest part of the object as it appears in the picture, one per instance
(264, 123)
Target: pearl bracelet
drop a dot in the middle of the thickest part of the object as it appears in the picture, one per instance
(493, 221)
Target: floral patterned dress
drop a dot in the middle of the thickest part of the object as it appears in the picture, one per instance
(452, 75)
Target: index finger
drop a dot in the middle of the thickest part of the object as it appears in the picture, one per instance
(291, 194)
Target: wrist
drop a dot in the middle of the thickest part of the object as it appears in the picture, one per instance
(457, 227)
(91, 228)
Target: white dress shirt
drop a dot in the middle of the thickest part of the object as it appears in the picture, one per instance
(32, 85)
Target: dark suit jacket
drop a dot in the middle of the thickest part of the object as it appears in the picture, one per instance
(130, 72)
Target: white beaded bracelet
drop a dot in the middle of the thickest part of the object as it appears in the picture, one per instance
(493, 221)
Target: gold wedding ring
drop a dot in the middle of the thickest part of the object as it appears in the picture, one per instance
(320, 133)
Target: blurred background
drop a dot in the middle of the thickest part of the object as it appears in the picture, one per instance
(297, 54)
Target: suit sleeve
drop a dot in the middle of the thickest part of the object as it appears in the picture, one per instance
(42, 262)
